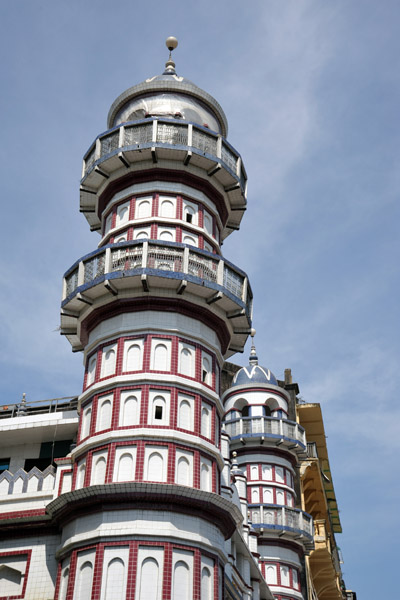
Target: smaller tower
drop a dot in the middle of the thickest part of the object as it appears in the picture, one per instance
(267, 445)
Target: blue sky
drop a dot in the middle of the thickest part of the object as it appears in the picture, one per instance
(311, 92)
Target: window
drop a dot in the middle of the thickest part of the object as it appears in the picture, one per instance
(185, 412)
(104, 414)
(91, 370)
(280, 497)
(86, 420)
(143, 208)
(285, 576)
(122, 214)
(279, 475)
(183, 471)
(192, 240)
(255, 496)
(206, 420)
(13, 572)
(254, 472)
(150, 580)
(160, 355)
(142, 234)
(187, 355)
(155, 463)
(108, 223)
(99, 464)
(108, 360)
(115, 584)
(268, 495)
(133, 351)
(245, 411)
(83, 582)
(64, 584)
(207, 569)
(129, 409)
(189, 212)
(120, 238)
(295, 578)
(125, 459)
(167, 208)
(168, 235)
(270, 574)
(205, 475)
(208, 223)
(267, 472)
(206, 372)
(159, 407)
(4, 464)
(182, 575)
(80, 478)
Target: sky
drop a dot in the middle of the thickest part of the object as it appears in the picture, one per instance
(311, 92)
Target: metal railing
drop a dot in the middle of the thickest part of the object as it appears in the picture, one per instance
(176, 258)
(19, 409)
(281, 516)
(167, 132)
(265, 426)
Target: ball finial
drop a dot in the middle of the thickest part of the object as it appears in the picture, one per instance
(252, 332)
(171, 42)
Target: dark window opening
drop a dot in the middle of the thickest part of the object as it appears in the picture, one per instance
(189, 217)
(4, 464)
(204, 376)
(48, 452)
(267, 411)
(158, 412)
(245, 411)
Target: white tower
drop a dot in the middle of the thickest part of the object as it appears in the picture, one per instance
(267, 442)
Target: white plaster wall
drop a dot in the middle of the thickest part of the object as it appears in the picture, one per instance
(43, 568)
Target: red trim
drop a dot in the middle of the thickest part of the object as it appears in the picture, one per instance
(168, 175)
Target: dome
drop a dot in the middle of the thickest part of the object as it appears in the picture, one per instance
(168, 96)
(254, 374)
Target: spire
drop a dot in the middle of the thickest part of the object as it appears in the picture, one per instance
(253, 358)
(171, 44)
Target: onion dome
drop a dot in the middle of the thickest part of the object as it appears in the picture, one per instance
(168, 96)
(253, 374)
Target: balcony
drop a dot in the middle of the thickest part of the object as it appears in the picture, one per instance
(267, 429)
(287, 522)
(325, 564)
(156, 139)
(145, 265)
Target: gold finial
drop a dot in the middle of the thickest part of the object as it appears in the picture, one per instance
(171, 42)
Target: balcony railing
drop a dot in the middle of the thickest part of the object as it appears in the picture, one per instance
(165, 132)
(21, 409)
(266, 426)
(144, 255)
(281, 518)
(27, 482)
(312, 450)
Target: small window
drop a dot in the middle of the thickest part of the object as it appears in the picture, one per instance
(158, 413)
(4, 464)
(189, 217)
(245, 411)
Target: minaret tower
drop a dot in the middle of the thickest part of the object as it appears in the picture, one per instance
(267, 443)
(155, 309)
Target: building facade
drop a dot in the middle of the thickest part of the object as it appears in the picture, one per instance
(174, 474)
